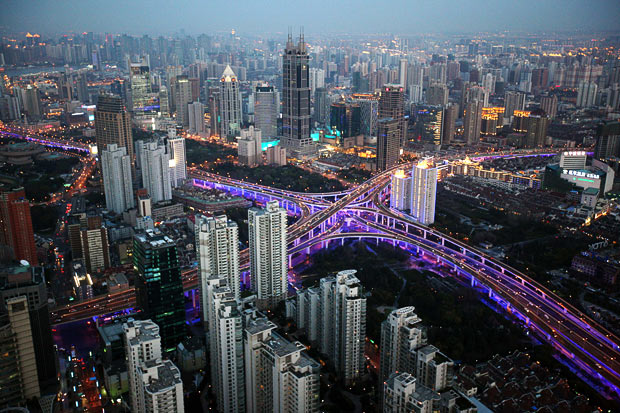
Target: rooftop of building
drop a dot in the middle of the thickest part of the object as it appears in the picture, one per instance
(281, 347)
(257, 325)
(20, 275)
(590, 191)
(155, 238)
(168, 376)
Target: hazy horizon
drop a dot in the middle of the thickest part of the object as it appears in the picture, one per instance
(318, 17)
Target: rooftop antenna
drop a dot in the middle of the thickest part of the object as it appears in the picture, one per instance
(290, 34)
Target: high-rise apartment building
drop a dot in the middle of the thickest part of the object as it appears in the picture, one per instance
(225, 337)
(296, 100)
(196, 120)
(586, 94)
(402, 393)
(268, 253)
(117, 180)
(16, 225)
(159, 288)
(401, 334)
(423, 193)
(450, 116)
(217, 241)
(182, 97)
(154, 384)
(317, 79)
(279, 376)
(154, 160)
(341, 326)
(537, 124)
(266, 109)
(230, 105)
(513, 101)
(176, 153)
(113, 124)
(550, 105)
(473, 122)
(400, 194)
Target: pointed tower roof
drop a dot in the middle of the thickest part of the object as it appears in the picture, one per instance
(228, 75)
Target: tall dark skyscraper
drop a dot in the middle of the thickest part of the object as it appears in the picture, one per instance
(159, 286)
(388, 143)
(113, 124)
(392, 106)
(296, 100)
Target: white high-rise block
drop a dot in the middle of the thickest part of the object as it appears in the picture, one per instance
(423, 193)
(117, 184)
(155, 168)
(268, 253)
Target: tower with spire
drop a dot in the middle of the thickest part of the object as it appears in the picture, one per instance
(296, 100)
(230, 105)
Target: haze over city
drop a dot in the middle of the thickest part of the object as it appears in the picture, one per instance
(285, 206)
(318, 17)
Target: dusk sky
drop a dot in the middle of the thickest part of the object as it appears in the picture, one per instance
(317, 16)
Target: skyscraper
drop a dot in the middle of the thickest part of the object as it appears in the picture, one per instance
(230, 105)
(140, 85)
(182, 97)
(155, 168)
(473, 122)
(513, 101)
(342, 332)
(392, 106)
(369, 112)
(117, 181)
(113, 124)
(217, 240)
(196, 113)
(607, 141)
(388, 143)
(321, 106)
(154, 384)
(296, 100)
(176, 153)
(159, 288)
(16, 225)
(451, 114)
(266, 109)
(268, 254)
(423, 192)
